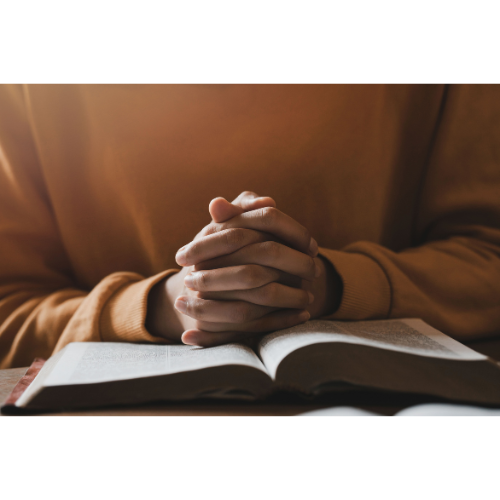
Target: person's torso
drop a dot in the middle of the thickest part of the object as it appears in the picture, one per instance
(131, 170)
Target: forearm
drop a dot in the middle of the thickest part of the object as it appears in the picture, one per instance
(40, 322)
(453, 284)
(32, 321)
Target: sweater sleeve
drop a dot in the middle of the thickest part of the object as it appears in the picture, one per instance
(42, 308)
(451, 276)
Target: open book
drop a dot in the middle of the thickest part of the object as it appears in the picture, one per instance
(313, 358)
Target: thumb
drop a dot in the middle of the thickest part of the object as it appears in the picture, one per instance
(251, 201)
(221, 210)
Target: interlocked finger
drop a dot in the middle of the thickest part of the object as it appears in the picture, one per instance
(218, 244)
(206, 335)
(236, 278)
(269, 220)
(248, 200)
(220, 311)
(270, 295)
(269, 254)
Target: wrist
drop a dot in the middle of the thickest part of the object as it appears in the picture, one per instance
(327, 290)
(334, 287)
(162, 319)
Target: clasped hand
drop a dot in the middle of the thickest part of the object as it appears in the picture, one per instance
(252, 270)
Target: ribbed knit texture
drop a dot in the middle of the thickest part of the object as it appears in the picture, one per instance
(124, 315)
(366, 290)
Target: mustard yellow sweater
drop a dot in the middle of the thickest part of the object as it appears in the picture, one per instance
(100, 185)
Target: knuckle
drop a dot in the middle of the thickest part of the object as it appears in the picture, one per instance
(240, 313)
(235, 237)
(201, 281)
(244, 275)
(193, 249)
(196, 308)
(251, 276)
(271, 292)
(269, 216)
(272, 249)
(201, 233)
(207, 230)
(213, 228)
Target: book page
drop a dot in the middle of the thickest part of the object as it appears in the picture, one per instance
(91, 362)
(447, 410)
(411, 336)
(423, 410)
(339, 411)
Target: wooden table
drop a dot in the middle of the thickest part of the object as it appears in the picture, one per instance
(282, 405)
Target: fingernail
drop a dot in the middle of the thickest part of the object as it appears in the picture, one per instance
(304, 316)
(311, 297)
(181, 304)
(180, 256)
(313, 247)
(317, 272)
(188, 339)
(189, 281)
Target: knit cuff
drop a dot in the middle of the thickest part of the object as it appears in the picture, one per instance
(124, 315)
(366, 289)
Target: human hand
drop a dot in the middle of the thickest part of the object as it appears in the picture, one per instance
(220, 314)
(256, 275)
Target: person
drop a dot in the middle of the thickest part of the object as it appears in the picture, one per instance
(351, 202)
